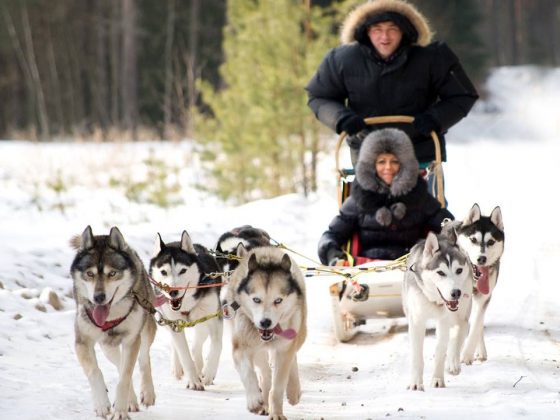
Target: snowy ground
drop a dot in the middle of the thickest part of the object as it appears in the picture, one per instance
(506, 155)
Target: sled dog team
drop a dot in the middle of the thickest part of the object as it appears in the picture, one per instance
(265, 300)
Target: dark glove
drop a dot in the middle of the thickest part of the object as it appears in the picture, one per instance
(333, 255)
(425, 124)
(352, 125)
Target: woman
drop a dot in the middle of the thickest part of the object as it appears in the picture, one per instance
(389, 204)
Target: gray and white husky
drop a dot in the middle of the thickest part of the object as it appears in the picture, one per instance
(267, 291)
(437, 285)
(109, 283)
(184, 268)
(482, 238)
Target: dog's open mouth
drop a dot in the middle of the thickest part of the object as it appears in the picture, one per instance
(452, 305)
(267, 335)
(481, 278)
(176, 303)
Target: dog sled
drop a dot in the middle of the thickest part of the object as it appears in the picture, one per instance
(365, 289)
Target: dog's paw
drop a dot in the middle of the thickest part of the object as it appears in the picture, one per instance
(277, 417)
(148, 397)
(293, 396)
(195, 384)
(256, 405)
(103, 411)
(120, 415)
(481, 357)
(208, 378)
(454, 367)
(467, 359)
(133, 407)
(415, 387)
(177, 371)
(438, 383)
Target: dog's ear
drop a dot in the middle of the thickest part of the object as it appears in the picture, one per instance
(159, 245)
(241, 251)
(83, 241)
(496, 218)
(286, 263)
(116, 240)
(473, 216)
(431, 246)
(451, 236)
(186, 243)
(252, 263)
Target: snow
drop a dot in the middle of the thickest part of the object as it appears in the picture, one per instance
(505, 153)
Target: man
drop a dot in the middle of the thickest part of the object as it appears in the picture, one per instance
(387, 65)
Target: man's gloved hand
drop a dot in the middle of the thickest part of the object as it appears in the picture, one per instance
(425, 124)
(352, 125)
(334, 255)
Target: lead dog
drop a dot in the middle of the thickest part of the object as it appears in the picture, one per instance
(482, 238)
(267, 290)
(109, 282)
(437, 285)
(183, 266)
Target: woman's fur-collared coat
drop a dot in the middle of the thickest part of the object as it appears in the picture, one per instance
(388, 219)
(421, 77)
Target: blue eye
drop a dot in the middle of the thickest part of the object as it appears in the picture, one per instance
(278, 301)
(257, 300)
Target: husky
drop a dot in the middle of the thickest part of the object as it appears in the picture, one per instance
(226, 247)
(184, 267)
(267, 291)
(437, 285)
(482, 239)
(110, 283)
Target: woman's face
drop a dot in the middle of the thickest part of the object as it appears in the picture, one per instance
(387, 166)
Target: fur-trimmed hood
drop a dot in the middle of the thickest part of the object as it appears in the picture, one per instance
(352, 26)
(396, 142)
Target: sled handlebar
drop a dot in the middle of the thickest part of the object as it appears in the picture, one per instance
(399, 119)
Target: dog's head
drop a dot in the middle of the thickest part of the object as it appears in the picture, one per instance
(175, 265)
(104, 270)
(247, 235)
(482, 238)
(267, 290)
(446, 271)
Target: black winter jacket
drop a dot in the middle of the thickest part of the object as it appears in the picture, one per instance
(358, 214)
(352, 80)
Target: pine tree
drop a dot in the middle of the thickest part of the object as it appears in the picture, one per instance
(260, 132)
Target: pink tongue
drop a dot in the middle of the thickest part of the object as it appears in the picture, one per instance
(289, 333)
(482, 282)
(159, 300)
(100, 313)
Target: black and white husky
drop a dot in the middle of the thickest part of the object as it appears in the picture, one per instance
(437, 285)
(184, 267)
(482, 238)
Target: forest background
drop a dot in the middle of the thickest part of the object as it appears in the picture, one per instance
(229, 75)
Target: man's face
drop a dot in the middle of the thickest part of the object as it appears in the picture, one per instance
(385, 37)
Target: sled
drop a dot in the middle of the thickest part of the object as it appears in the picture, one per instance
(371, 289)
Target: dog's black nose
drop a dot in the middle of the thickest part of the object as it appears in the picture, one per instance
(455, 294)
(481, 259)
(174, 293)
(99, 298)
(266, 323)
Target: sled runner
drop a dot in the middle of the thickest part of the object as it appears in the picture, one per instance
(372, 289)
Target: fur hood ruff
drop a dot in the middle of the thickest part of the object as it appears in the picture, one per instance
(396, 142)
(363, 13)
